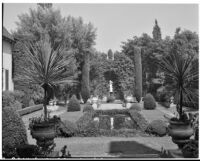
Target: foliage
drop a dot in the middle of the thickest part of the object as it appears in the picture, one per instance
(139, 119)
(119, 133)
(157, 127)
(47, 66)
(119, 121)
(135, 106)
(13, 132)
(88, 108)
(110, 99)
(110, 54)
(73, 104)
(181, 76)
(66, 129)
(84, 122)
(191, 149)
(138, 75)
(111, 113)
(12, 99)
(31, 102)
(156, 32)
(149, 102)
(85, 87)
(104, 122)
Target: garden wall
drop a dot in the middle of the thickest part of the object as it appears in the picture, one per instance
(30, 109)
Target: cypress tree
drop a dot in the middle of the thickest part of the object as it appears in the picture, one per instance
(156, 31)
(85, 88)
(138, 73)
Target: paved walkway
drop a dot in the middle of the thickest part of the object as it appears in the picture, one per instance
(110, 106)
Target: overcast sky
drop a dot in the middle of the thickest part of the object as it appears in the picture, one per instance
(118, 22)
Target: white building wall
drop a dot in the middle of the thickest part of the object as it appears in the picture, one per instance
(7, 64)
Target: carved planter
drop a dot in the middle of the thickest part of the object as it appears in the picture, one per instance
(180, 132)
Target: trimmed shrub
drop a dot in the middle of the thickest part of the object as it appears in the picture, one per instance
(157, 127)
(112, 112)
(138, 73)
(130, 124)
(104, 122)
(83, 123)
(25, 101)
(118, 133)
(85, 87)
(13, 132)
(139, 119)
(149, 102)
(30, 109)
(73, 104)
(12, 99)
(66, 129)
(110, 99)
(88, 108)
(17, 105)
(119, 121)
(31, 103)
(135, 106)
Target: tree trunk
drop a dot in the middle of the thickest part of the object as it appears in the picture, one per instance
(45, 103)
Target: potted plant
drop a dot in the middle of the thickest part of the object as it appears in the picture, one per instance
(48, 68)
(191, 150)
(181, 78)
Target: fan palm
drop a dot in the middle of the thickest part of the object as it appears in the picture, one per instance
(48, 67)
(182, 76)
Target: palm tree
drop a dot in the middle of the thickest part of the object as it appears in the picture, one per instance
(48, 67)
(182, 77)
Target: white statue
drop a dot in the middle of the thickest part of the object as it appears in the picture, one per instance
(111, 86)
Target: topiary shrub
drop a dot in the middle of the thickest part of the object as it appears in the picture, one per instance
(157, 127)
(85, 87)
(139, 119)
(119, 121)
(88, 108)
(138, 73)
(135, 106)
(149, 102)
(73, 104)
(12, 99)
(13, 132)
(66, 129)
(110, 99)
(104, 122)
(83, 123)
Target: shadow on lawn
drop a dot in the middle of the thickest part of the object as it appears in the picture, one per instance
(132, 149)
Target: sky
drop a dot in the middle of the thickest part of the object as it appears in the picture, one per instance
(116, 23)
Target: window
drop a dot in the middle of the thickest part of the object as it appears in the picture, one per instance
(7, 79)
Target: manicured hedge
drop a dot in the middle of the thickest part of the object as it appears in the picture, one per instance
(139, 119)
(157, 127)
(104, 122)
(66, 129)
(135, 106)
(119, 121)
(73, 104)
(30, 109)
(88, 108)
(112, 112)
(13, 132)
(149, 102)
(83, 123)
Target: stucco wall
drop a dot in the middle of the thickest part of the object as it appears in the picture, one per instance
(7, 64)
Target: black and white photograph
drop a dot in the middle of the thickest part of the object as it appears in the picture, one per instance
(104, 80)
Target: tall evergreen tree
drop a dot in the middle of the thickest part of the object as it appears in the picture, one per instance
(85, 86)
(110, 54)
(156, 32)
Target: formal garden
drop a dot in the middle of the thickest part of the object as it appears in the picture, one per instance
(71, 100)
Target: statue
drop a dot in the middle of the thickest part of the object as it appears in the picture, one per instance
(111, 86)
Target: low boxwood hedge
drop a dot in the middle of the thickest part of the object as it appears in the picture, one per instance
(30, 109)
